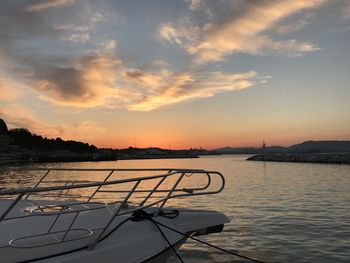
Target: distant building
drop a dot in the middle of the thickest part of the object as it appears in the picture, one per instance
(4, 137)
(154, 151)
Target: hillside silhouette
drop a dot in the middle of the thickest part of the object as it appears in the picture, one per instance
(25, 139)
(304, 147)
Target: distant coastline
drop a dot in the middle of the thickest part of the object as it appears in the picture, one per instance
(99, 155)
(20, 146)
(20, 156)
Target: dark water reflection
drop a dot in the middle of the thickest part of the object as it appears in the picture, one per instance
(280, 212)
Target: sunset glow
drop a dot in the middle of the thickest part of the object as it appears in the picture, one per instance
(178, 74)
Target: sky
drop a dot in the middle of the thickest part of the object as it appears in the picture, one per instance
(177, 73)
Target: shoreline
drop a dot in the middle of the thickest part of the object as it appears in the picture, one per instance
(10, 162)
(326, 158)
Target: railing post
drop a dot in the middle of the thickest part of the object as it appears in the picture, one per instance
(67, 191)
(39, 182)
(169, 194)
(70, 226)
(99, 187)
(61, 192)
(19, 197)
(53, 223)
(154, 189)
(94, 242)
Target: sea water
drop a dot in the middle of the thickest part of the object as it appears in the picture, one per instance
(280, 212)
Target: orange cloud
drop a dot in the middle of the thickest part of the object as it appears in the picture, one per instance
(176, 88)
(86, 130)
(242, 33)
(105, 82)
(8, 89)
(22, 117)
(89, 84)
(43, 5)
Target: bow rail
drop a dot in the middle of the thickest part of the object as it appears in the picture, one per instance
(135, 189)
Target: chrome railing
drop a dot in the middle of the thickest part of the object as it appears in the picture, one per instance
(162, 185)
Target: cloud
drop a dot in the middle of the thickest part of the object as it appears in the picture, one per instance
(17, 116)
(88, 125)
(78, 37)
(111, 44)
(194, 4)
(18, 24)
(168, 32)
(100, 81)
(181, 35)
(27, 34)
(93, 75)
(89, 84)
(22, 117)
(84, 129)
(48, 4)
(81, 31)
(174, 88)
(9, 90)
(291, 27)
(244, 32)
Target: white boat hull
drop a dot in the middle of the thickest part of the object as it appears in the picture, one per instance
(131, 241)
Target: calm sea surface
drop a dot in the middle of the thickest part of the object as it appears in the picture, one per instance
(280, 212)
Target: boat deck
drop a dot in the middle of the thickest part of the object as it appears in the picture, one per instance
(64, 224)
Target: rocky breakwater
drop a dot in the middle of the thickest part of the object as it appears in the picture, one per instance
(335, 158)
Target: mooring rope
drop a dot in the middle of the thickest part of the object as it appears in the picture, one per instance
(142, 215)
(170, 245)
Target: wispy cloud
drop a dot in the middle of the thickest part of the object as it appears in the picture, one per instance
(88, 71)
(101, 81)
(199, 5)
(18, 116)
(174, 88)
(286, 28)
(42, 5)
(244, 32)
(82, 130)
(9, 90)
(81, 31)
(111, 44)
(100, 78)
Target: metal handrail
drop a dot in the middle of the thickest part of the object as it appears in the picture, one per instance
(65, 187)
(83, 185)
(172, 192)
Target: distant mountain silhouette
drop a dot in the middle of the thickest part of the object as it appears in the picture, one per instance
(320, 147)
(304, 147)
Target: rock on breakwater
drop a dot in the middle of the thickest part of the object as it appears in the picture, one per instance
(336, 158)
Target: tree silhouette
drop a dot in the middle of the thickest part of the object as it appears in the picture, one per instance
(24, 138)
